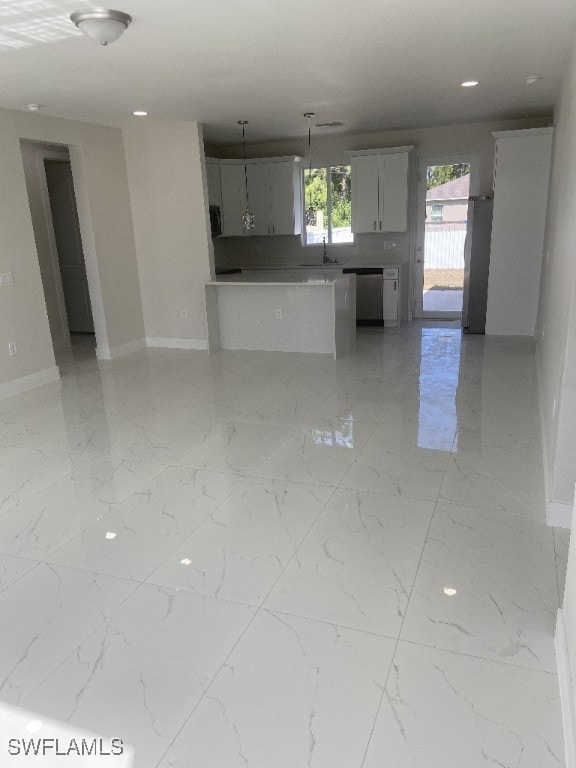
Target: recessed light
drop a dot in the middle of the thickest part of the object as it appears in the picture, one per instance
(186, 561)
(532, 79)
(33, 107)
(140, 113)
(450, 591)
(469, 83)
(110, 535)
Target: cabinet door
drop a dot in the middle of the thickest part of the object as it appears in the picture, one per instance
(282, 198)
(365, 173)
(259, 197)
(233, 198)
(393, 192)
(390, 302)
(213, 182)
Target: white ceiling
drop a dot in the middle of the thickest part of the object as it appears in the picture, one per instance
(373, 64)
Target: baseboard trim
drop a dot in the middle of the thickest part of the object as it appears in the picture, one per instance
(177, 343)
(25, 383)
(566, 688)
(111, 353)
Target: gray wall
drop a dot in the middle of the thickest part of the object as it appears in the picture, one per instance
(556, 326)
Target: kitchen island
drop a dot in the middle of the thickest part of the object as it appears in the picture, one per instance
(300, 313)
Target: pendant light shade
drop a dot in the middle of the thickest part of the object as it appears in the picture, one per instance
(102, 25)
(247, 215)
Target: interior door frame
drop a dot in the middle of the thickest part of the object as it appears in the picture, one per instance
(473, 160)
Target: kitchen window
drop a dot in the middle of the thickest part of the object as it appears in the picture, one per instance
(328, 205)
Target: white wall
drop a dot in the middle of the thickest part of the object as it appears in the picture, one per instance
(520, 203)
(33, 156)
(100, 181)
(473, 138)
(556, 325)
(168, 195)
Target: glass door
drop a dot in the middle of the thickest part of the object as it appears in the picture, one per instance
(444, 188)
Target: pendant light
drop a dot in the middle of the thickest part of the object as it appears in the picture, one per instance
(310, 212)
(247, 216)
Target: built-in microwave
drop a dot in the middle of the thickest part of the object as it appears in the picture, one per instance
(215, 220)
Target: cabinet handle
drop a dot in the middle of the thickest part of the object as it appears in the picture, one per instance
(380, 225)
(374, 224)
(273, 229)
(395, 284)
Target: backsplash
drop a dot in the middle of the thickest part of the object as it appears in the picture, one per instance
(281, 251)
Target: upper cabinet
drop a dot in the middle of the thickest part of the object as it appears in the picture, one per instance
(213, 181)
(274, 195)
(380, 190)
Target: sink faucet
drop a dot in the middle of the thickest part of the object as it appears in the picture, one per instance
(325, 258)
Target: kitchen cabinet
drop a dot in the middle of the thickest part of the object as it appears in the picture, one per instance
(213, 181)
(521, 179)
(274, 195)
(380, 190)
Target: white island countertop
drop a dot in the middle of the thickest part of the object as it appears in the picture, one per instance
(296, 313)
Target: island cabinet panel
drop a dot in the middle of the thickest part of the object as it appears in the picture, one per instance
(274, 196)
(380, 190)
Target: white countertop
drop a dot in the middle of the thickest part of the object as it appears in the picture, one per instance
(267, 280)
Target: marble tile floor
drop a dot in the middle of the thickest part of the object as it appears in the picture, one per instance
(259, 559)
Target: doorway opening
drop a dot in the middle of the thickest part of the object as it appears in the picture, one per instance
(445, 186)
(52, 199)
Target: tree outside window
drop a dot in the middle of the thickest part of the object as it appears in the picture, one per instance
(328, 204)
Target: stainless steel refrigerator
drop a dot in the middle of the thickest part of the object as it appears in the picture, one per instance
(476, 264)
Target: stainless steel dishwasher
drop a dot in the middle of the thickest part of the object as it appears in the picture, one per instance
(369, 295)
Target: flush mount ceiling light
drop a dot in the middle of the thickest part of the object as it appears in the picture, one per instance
(469, 83)
(33, 107)
(101, 24)
(140, 113)
(331, 124)
(532, 79)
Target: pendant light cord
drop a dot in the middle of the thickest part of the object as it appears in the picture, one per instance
(245, 166)
(309, 145)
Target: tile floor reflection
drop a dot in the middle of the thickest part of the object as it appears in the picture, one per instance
(261, 559)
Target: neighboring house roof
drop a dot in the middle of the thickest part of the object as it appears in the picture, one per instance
(457, 189)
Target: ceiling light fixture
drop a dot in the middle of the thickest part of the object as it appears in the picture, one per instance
(450, 591)
(102, 25)
(532, 79)
(140, 113)
(33, 107)
(247, 216)
(469, 83)
(310, 211)
(331, 124)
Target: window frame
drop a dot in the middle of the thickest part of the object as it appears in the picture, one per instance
(434, 219)
(328, 169)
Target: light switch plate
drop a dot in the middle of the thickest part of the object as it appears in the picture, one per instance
(6, 280)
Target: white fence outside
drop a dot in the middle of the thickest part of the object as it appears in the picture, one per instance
(444, 250)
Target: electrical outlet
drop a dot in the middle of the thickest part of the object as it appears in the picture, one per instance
(12, 348)
(387, 245)
(279, 314)
(184, 314)
(6, 280)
